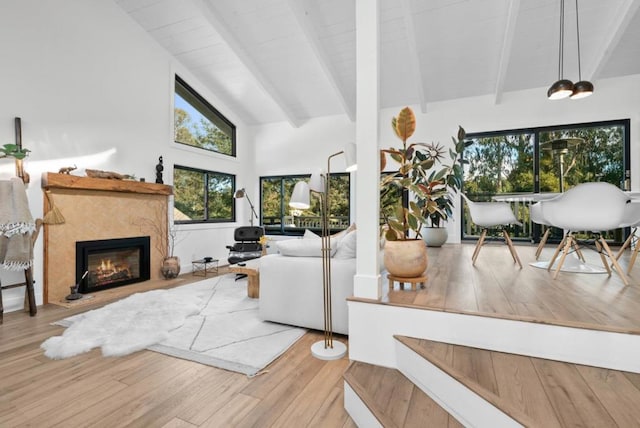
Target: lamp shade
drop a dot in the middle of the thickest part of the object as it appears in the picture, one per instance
(300, 196)
(582, 89)
(350, 151)
(239, 193)
(560, 89)
(316, 183)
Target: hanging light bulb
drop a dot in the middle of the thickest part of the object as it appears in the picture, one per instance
(562, 88)
(583, 88)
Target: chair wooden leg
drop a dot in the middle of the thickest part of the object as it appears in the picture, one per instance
(543, 242)
(567, 247)
(614, 261)
(514, 254)
(556, 252)
(626, 244)
(634, 255)
(602, 257)
(478, 246)
(578, 250)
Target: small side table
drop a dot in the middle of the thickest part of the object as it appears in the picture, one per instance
(422, 280)
(251, 268)
(203, 267)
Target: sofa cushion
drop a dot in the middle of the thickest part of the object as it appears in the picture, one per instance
(311, 247)
(339, 235)
(309, 234)
(347, 246)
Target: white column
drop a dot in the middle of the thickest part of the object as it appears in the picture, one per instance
(367, 281)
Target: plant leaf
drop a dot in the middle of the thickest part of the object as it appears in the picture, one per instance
(405, 124)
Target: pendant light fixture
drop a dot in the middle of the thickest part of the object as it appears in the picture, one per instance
(562, 88)
(582, 88)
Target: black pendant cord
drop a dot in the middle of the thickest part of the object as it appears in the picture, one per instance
(561, 47)
(578, 40)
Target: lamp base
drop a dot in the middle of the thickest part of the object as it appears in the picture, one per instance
(338, 351)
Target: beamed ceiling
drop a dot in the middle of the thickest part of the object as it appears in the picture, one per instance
(293, 60)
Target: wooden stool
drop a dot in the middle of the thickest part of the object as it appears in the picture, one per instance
(422, 280)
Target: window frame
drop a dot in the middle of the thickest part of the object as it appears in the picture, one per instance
(536, 131)
(211, 111)
(207, 174)
(289, 231)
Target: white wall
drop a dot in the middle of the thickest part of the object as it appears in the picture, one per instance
(93, 89)
(310, 144)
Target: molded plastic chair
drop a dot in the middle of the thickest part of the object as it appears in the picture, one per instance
(632, 220)
(590, 207)
(536, 215)
(491, 215)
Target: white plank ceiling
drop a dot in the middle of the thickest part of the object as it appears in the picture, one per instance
(292, 60)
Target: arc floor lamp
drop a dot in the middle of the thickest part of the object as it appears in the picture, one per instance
(242, 193)
(320, 184)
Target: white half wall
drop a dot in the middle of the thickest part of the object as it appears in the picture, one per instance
(93, 89)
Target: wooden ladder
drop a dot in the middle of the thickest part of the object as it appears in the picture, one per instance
(30, 298)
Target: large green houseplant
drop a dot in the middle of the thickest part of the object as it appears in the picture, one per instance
(439, 189)
(422, 176)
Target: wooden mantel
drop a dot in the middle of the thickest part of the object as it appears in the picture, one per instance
(51, 180)
(94, 209)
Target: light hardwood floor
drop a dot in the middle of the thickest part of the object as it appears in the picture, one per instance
(496, 287)
(154, 390)
(148, 389)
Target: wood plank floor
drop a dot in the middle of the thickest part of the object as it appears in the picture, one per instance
(496, 287)
(148, 389)
(394, 400)
(539, 392)
(151, 389)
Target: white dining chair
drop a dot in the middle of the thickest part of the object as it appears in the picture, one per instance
(492, 215)
(632, 220)
(589, 207)
(537, 216)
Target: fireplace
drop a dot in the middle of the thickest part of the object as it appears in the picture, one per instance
(112, 262)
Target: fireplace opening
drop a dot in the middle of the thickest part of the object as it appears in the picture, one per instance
(112, 262)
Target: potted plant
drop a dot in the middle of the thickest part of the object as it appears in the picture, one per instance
(439, 189)
(405, 253)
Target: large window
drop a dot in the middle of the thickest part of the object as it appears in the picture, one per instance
(279, 217)
(203, 196)
(198, 124)
(545, 160)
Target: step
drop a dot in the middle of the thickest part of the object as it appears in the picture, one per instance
(391, 399)
(531, 391)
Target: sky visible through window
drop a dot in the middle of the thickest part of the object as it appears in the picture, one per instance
(195, 116)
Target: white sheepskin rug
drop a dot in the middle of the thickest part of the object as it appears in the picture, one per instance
(212, 322)
(125, 326)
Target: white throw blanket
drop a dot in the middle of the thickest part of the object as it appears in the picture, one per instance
(16, 226)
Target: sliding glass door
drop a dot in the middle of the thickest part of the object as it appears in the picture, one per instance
(510, 165)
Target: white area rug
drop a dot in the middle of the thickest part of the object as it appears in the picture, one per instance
(212, 322)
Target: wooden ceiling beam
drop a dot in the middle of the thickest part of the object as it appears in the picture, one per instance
(414, 60)
(505, 52)
(624, 16)
(308, 28)
(212, 17)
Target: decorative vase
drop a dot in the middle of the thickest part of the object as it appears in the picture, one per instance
(170, 267)
(434, 236)
(406, 259)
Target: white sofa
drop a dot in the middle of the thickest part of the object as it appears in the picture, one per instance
(291, 291)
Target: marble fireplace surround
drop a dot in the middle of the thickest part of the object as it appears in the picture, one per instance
(97, 208)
